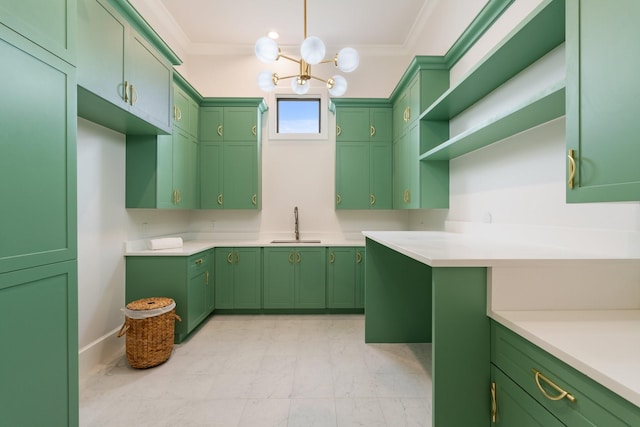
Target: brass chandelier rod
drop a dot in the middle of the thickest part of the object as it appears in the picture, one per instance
(305, 20)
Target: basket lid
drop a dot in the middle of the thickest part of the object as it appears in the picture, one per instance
(149, 303)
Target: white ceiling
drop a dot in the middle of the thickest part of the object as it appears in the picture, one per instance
(219, 26)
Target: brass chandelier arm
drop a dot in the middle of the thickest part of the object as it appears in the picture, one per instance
(318, 78)
(281, 55)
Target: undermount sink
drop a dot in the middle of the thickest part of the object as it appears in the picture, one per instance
(295, 241)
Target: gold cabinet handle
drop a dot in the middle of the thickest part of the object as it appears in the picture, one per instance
(372, 200)
(206, 278)
(563, 393)
(407, 114)
(332, 257)
(254, 199)
(220, 199)
(229, 257)
(338, 130)
(494, 403)
(254, 130)
(177, 113)
(572, 168)
(290, 257)
(372, 131)
(199, 261)
(298, 258)
(358, 257)
(407, 196)
(338, 199)
(237, 257)
(219, 130)
(133, 95)
(179, 194)
(126, 92)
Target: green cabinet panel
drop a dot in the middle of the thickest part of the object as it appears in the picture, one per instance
(294, 278)
(514, 407)
(229, 163)
(38, 161)
(345, 277)
(161, 171)
(238, 278)
(50, 24)
(120, 68)
(594, 405)
(364, 163)
(188, 280)
(39, 332)
(602, 127)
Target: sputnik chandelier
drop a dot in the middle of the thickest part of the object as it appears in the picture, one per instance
(312, 52)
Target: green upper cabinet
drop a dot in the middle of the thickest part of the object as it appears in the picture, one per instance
(602, 127)
(363, 154)
(38, 161)
(229, 159)
(186, 113)
(294, 278)
(50, 24)
(125, 81)
(425, 80)
(238, 278)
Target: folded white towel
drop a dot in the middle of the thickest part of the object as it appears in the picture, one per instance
(165, 243)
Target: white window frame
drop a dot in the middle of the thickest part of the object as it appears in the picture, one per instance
(273, 116)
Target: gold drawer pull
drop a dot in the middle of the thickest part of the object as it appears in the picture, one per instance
(206, 278)
(338, 130)
(298, 258)
(494, 404)
(338, 199)
(199, 261)
(237, 257)
(572, 168)
(291, 257)
(229, 259)
(563, 393)
(220, 199)
(372, 131)
(254, 200)
(254, 130)
(332, 257)
(219, 130)
(372, 200)
(358, 257)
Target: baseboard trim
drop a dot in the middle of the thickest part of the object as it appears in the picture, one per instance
(100, 353)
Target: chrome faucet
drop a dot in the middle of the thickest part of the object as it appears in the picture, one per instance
(295, 216)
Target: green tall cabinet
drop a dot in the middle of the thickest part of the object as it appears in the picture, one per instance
(38, 242)
(363, 154)
(229, 161)
(238, 277)
(602, 124)
(294, 278)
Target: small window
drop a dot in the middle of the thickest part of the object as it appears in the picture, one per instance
(298, 116)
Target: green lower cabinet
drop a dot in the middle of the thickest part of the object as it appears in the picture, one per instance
(238, 273)
(513, 407)
(188, 280)
(294, 278)
(590, 404)
(39, 335)
(345, 277)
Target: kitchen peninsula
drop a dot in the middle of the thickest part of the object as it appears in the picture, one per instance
(467, 295)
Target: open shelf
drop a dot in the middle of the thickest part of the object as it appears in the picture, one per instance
(537, 35)
(543, 107)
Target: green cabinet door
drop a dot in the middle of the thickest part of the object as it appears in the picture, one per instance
(240, 170)
(310, 273)
(352, 124)
(341, 277)
(198, 298)
(513, 407)
(381, 176)
(38, 156)
(185, 152)
(39, 332)
(352, 175)
(407, 186)
(360, 282)
(229, 158)
(602, 124)
(279, 277)
(380, 124)
(238, 278)
(247, 278)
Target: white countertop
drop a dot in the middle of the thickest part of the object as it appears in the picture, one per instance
(446, 249)
(191, 247)
(603, 345)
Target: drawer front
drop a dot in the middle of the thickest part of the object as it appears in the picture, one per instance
(593, 405)
(199, 263)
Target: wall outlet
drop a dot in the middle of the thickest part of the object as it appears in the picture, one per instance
(487, 218)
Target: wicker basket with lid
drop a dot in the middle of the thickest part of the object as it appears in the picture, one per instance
(149, 326)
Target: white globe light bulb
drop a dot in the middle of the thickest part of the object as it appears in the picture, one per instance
(338, 85)
(312, 50)
(266, 81)
(348, 59)
(300, 87)
(267, 50)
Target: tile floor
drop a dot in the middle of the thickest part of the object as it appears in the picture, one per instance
(272, 370)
